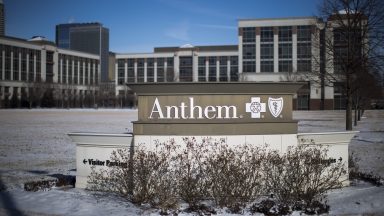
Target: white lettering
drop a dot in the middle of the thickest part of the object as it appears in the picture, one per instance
(195, 111)
(210, 109)
(192, 109)
(175, 111)
(182, 108)
(226, 111)
(156, 109)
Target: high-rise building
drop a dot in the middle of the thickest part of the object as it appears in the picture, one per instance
(86, 37)
(2, 18)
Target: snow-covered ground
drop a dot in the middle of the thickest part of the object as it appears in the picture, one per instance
(34, 145)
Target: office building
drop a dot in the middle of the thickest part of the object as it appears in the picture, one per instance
(36, 73)
(268, 50)
(86, 37)
(178, 64)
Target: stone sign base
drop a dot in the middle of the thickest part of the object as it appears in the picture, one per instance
(278, 142)
(94, 150)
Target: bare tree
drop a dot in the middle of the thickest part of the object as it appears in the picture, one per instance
(352, 44)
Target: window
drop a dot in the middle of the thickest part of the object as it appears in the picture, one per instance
(285, 33)
(64, 71)
(266, 66)
(76, 74)
(285, 66)
(304, 33)
(131, 70)
(249, 51)
(16, 63)
(49, 67)
(120, 71)
(169, 73)
(223, 68)
(249, 66)
(86, 71)
(339, 59)
(303, 96)
(38, 66)
(31, 65)
(266, 34)
(304, 50)
(185, 69)
(8, 63)
(304, 66)
(201, 69)
(212, 68)
(249, 35)
(285, 51)
(160, 70)
(150, 70)
(140, 70)
(91, 72)
(70, 69)
(266, 51)
(339, 96)
(23, 64)
(234, 60)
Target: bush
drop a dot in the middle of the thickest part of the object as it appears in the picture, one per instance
(191, 171)
(234, 174)
(301, 175)
(145, 177)
(231, 177)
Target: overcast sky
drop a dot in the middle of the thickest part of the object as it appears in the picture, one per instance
(139, 25)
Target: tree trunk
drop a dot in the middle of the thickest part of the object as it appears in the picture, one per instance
(355, 117)
(359, 114)
(348, 114)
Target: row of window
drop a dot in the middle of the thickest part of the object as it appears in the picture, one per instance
(77, 70)
(164, 70)
(283, 66)
(16, 60)
(284, 33)
(22, 64)
(228, 68)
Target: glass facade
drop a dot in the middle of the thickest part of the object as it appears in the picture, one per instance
(304, 48)
(131, 70)
(223, 68)
(249, 35)
(185, 69)
(150, 70)
(212, 68)
(120, 71)
(201, 69)
(140, 70)
(234, 74)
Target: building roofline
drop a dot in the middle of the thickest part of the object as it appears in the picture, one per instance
(197, 48)
(80, 24)
(277, 18)
(39, 44)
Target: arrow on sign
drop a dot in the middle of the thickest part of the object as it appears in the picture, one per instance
(85, 161)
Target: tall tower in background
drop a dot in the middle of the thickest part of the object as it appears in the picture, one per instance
(2, 18)
(86, 37)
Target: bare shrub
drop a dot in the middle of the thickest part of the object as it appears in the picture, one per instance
(234, 174)
(301, 175)
(191, 171)
(144, 178)
(229, 176)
